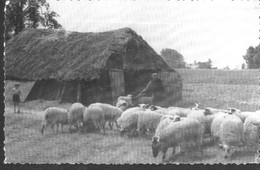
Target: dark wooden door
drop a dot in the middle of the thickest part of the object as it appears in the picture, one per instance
(117, 83)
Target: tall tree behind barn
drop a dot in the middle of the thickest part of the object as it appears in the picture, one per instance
(86, 67)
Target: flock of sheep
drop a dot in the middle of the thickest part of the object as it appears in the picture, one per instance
(183, 129)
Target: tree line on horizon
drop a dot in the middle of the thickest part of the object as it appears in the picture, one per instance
(176, 60)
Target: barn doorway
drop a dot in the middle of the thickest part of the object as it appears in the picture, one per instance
(117, 83)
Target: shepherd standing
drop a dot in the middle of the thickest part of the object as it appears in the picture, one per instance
(155, 86)
(16, 97)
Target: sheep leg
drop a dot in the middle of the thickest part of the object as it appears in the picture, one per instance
(100, 124)
(164, 150)
(70, 124)
(198, 144)
(97, 126)
(103, 126)
(117, 126)
(44, 125)
(62, 128)
(57, 129)
(110, 125)
(173, 151)
(52, 127)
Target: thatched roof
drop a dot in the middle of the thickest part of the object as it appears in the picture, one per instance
(56, 54)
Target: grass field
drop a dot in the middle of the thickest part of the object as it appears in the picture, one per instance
(25, 144)
(222, 88)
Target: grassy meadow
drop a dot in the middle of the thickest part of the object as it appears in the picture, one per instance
(212, 88)
(221, 88)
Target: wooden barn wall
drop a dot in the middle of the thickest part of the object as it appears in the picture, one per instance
(173, 87)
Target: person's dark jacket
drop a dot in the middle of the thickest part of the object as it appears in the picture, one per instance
(155, 87)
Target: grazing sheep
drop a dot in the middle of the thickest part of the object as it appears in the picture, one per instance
(111, 113)
(128, 120)
(177, 134)
(231, 134)
(127, 99)
(243, 115)
(216, 111)
(148, 120)
(75, 115)
(205, 117)
(252, 131)
(96, 116)
(182, 112)
(166, 120)
(122, 104)
(215, 125)
(55, 115)
(233, 110)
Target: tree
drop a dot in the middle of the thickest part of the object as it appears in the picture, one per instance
(226, 68)
(173, 58)
(243, 66)
(205, 65)
(28, 13)
(252, 57)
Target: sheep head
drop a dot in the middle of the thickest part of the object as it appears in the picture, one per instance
(228, 150)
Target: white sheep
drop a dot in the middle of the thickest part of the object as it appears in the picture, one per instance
(55, 116)
(205, 117)
(231, 134)
(182, 112)
(252, 131)
(215, 125)
(111, 113)
(122, 104)
(166, 120)
(163, 111)
(148, 120)
(243, 115)
(232, 110)
(94, 115)
(181, 133)
(216, 111)
(127, 99)
(75, 115)
(128, 120)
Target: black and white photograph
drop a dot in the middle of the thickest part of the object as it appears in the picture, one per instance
(132, 82)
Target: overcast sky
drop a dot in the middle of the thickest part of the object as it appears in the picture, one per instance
(199, 30)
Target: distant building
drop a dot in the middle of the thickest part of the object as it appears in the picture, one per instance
(192, 66)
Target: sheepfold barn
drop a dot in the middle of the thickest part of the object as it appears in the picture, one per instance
(86, 67)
